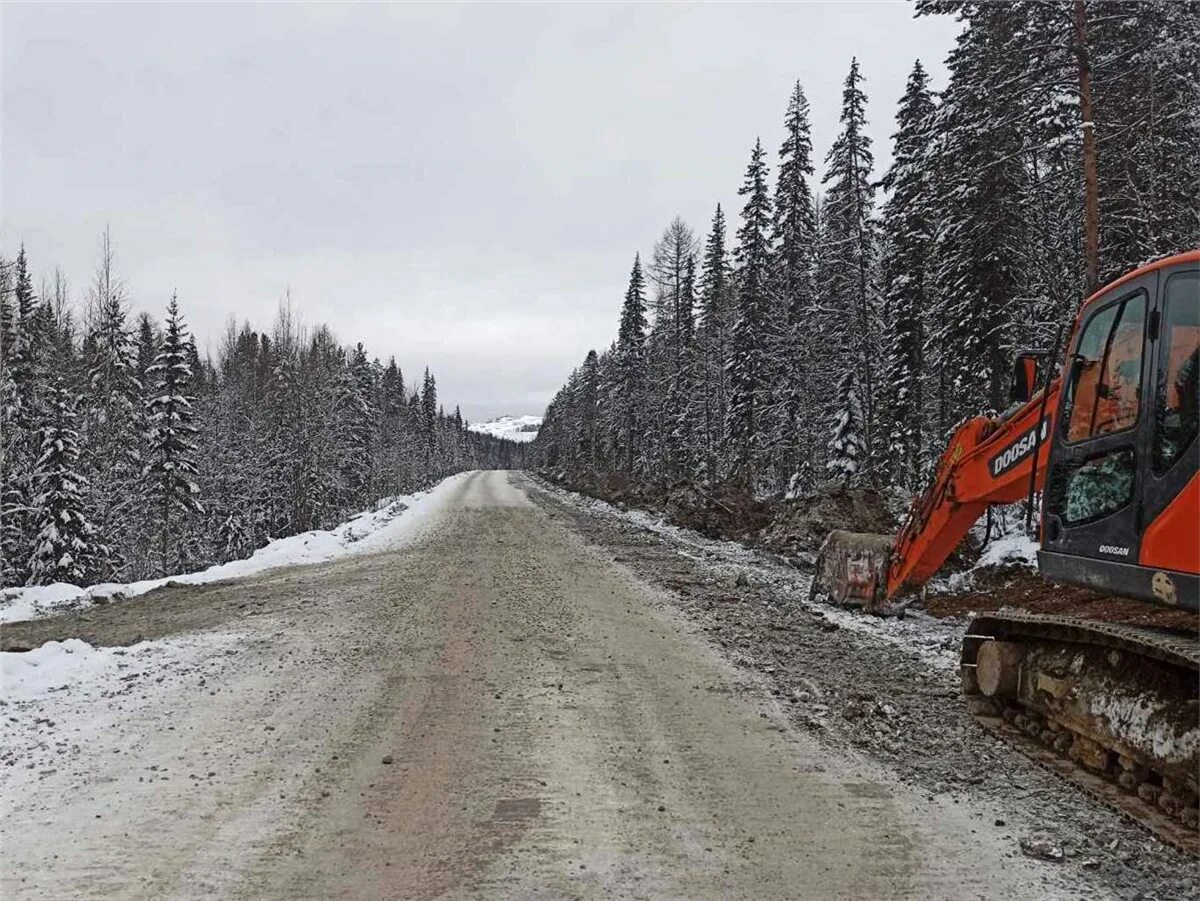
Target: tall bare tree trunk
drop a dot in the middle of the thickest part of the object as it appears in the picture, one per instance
(1091, 192)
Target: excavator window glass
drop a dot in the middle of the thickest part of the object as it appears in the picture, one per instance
(1106, 378)
(1175, 408)
(1100, 486)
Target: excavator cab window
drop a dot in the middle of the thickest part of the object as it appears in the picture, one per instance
(1103, 391)
(1100, 486)
(1105, 382)
(1175, 410)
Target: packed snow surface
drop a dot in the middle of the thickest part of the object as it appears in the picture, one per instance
(513, 428)
(59, 665)
(393, 520)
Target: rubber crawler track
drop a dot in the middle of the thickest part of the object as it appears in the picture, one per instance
(1171, 648)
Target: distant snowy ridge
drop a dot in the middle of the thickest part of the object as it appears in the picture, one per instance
(512, 428)
(393, 521)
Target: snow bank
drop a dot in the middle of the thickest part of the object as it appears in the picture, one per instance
(31, 674)
(73, 665)
(1017, 549)
(397, 519)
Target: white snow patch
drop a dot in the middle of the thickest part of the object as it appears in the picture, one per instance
(64, 700)
(1017, 549)
(58, 666)
(522, 429)
(393, 521)
(31, 674)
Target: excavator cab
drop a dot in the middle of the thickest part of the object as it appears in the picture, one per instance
(1122, 496)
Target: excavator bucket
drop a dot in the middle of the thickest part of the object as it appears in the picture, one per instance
(852, 570)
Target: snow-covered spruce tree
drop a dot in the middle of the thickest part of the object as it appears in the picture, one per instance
(14, 503)
(982, 249)
(716, 303)
(792, 273)
(909, 218)
(429, 408)
(356, 426)
(846, 445)
(110, 432)
(1146, 75)
(24, 345)
(683, 400)
(848, 289)
(65, 545)
(747, 366)
(171, 438)
(588, 401)
(631, 374)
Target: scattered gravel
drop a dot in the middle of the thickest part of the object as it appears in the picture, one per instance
(886, 687)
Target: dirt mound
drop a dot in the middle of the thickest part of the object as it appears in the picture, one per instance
(722, 511)
(1018, 587)
(801, 524)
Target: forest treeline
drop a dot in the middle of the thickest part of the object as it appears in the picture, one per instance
(126, 454)
(848, 324)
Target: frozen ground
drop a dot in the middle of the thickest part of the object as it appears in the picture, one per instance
(886, 688)
(390, 522)
(496, 708)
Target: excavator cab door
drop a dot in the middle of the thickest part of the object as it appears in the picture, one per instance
(1103, 490)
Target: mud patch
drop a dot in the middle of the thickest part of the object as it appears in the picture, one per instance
(1000, 587)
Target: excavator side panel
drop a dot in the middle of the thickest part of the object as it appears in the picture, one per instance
(1170, 541)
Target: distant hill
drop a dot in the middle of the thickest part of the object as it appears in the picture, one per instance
(514, 428)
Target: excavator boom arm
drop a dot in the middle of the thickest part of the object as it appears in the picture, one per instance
(988, 461)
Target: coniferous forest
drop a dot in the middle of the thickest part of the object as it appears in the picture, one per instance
(127, 454)
(835, 330)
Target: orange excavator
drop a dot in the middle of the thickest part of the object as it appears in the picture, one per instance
(1109, 439)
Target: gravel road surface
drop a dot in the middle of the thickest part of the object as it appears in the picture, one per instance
(495, 708)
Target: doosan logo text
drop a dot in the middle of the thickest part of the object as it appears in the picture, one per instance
(1017, 451)
(1114, 550)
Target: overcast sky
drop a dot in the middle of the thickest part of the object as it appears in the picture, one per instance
(461, 186)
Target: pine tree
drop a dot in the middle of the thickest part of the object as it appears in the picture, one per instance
(66, 544)
(1146, 73)
(356, 430)
(171, 441)
(110, 433)
(14, 502)
(849, 244)
(631, 370)
(846, 446)
(429, 408)
(747, 366)
(909, 222)
(794, 237)
(589, 411)
(714, 337)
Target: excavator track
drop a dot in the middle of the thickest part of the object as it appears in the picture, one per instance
(1114, 709)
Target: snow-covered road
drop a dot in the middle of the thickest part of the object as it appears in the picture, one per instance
(485, 706)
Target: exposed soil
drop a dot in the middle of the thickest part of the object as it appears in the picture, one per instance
(800, 525)
(993, 589)
(792, 527)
